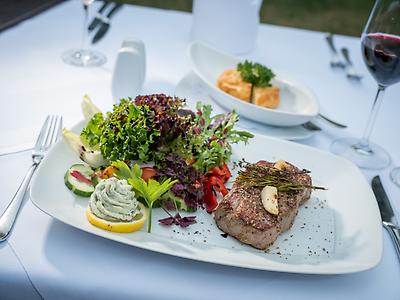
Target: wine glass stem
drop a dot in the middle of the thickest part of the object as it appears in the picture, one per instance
(85, 25)
(372, 117)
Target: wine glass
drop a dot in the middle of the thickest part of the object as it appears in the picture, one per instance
(84, 57)
(395, 176)
(380, 44)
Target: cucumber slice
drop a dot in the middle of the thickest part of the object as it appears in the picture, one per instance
(78, 187)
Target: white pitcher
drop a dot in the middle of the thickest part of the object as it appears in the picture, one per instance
(228, 25)
(129, 71)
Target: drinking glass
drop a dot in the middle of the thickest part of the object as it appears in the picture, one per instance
(380, 44)
(84, 57)
(395, 176)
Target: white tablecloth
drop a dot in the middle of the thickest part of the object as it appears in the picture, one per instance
(64, 263)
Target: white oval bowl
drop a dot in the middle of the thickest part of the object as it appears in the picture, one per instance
(298, 104)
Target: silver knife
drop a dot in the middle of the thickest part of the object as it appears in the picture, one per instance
(388, 218)
(105, 24)
(99, 17)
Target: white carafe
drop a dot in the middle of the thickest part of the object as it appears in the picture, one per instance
(228, 25)
(130, 70)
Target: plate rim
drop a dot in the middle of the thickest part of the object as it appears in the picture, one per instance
(276, 266)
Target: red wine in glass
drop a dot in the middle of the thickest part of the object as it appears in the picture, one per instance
(380, 46)
(381, 54)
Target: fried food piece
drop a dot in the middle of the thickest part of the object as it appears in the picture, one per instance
(232, 83)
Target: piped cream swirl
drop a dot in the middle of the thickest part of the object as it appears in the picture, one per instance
(114, 200)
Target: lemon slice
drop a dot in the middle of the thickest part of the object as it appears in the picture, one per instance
(121, 227)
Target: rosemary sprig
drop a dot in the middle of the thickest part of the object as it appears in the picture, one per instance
(260, 176)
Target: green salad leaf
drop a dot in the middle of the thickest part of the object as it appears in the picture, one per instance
(208, 144)
(150, 191)
(126, 133)
(91, 134)
(122, 170)
(160, 129)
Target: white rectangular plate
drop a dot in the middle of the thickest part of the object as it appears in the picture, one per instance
(336, 231)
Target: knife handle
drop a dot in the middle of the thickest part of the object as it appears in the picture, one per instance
(116, 7)
(394, 233)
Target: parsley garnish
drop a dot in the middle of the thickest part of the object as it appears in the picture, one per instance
(150, 191)
(256, 74)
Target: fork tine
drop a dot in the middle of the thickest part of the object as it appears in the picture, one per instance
(57, 130)
(53, 132)
(49, 131)
(43, 132)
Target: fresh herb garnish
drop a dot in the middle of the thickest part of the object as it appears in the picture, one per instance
(258, 176)
(256, 74)
(150, 191)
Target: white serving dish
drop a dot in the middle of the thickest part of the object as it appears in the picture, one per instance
(298, 104)
(336, 231)
(193, 89)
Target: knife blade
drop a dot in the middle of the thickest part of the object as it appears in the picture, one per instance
(385, 207)
(387, 214)
(105, 24)
(99, 17)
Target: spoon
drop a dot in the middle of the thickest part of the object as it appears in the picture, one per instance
(311, 126)
(330, 121)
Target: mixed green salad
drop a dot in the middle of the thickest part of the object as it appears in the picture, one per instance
(181, 154)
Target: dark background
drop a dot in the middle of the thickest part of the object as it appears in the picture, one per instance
(337, 16)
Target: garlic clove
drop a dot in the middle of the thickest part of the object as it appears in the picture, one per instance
(280, 165)
(269, 197)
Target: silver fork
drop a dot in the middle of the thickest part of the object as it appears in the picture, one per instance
(350, 70)
(49, 134)
(335, 59)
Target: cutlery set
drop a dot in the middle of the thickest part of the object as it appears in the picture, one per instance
(102, 20)
(337, 62)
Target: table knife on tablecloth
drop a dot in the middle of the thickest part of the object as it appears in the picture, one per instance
(99, 17)
(388, 218)
(105, 24)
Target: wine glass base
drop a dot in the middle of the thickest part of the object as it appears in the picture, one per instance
(83, 58)
(371, 157)
(395, 176)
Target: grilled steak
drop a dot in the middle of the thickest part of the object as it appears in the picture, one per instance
(241, 213)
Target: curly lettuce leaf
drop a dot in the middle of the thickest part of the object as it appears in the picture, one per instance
(91, 134)
(126, 133)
